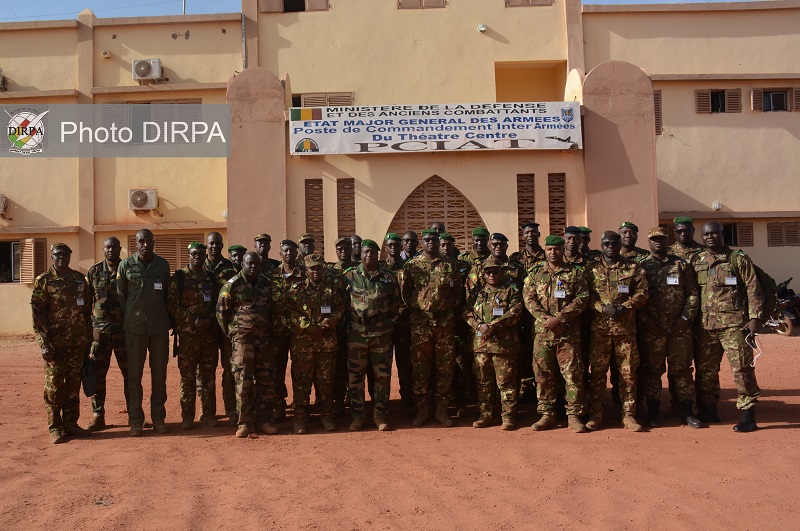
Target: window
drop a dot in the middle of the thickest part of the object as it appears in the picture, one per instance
(322, 99)
(138, 112)
(346, 206)
(557, 192)
(657, 109)
(292, 6)
(315, 224)
(783, 234)
(419, 4)
(714, 101)
(9, 261)
(775, 100)
(174, 248)
(528, 3)
(32, 259)
(738, 234)
(526, 200)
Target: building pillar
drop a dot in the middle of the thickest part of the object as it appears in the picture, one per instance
(86, 244)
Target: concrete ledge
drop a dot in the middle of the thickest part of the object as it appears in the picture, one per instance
(48, 229)
(723, 77)
(34, 94)
(732, 215)
(166, 87)
(709, 6)
(181, 225)
(38, 25)
(174, 19)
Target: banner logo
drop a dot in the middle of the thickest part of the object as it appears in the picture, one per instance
(26, 131)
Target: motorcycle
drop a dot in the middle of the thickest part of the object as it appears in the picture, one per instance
(788, 311)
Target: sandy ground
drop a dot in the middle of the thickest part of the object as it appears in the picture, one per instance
(429, 478)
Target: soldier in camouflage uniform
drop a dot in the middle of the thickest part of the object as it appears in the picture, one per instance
(245, 312)
(63, 327)
(263, 244)
(480, 246)
(305, 246)
(236, 253)
(374, 306)
(447, 245)
(344, 261)
(314, 307)
(191, 303)
(731, 304)
(665, 327)
(617, 288)
(556, 293)
(629, 234)
(107, 332)
(431, 289)
(685, 246)
(355, 253)
(586, 238)
(401, 334)
(290, 273)
(493, 311)
(222, 270)
(410, 243)
(572, 246)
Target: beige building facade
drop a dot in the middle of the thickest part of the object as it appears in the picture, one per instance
(681, 111)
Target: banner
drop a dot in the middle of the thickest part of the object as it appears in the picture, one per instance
(437, 127)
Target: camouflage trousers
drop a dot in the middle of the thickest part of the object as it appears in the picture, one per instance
(464, 379)
(493, 372)
(317, 368)
(401, 339)
(197, 363)
(710, 346)
(102, 347)
(659, 353)
(281, 348)
(62, 386)
(223, 344)
(361, 350)
(252, 364)
(433, 352)
(556, 360)
(625, 355)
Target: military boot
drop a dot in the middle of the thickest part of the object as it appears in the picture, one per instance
(266, 428)
(136, 430)
(57, 437)
(708, 413)
(98, 423)
(630, 422)
(509, 424)
(595, 421)
(483, 422)
(243, 431)
(685, 408)
(422, 413)
(356, 424)
(381, 423)
(74, 430)
(654, 413)
(547, 422)
(299, 424)
(233, 418)
(279, 412)
(187, 424)
(747, 422)
(327, 422)
(442, 416)
(575, 424)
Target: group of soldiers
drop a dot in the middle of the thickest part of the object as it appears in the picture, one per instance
(544, 324)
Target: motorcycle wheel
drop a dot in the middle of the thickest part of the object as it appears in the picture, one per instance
(785, 326)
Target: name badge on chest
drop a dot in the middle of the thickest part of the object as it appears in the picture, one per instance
(497, 312)
(560, 294)
(730, 281)
(672, 281)
(324, 309)
(80, 301)
(206, 297)
(158, 285)
(623, 288)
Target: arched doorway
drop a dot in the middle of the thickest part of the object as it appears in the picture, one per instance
(437, 200)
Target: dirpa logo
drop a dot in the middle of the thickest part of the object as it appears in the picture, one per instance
(26, 131)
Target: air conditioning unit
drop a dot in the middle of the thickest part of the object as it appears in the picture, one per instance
(146, 69)
(142, 198)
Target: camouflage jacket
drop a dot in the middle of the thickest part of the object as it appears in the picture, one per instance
(730, 294)
(393, 265)
(432, 289)
(528, 259)
(636, 256)
(374, 300)
(268, 267)
(282, 283)
(222, 271)
(313, 313)
(593, 255)
(142, 288)
(62, 313)
(561, 292)
(687, 254)
(471, 256)
(244, 308)
(196, 302)
(672, 286)
(106, 310)
(513, 275)
(621, 284)
(578, 260)
(501, 308)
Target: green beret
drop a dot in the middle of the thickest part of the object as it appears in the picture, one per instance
(554, 240)
(197, 245)
(446, 236)
(683, 220)
(434, 232)
(585, 230)
(629, 225)
(60, 247)
(477, 231)
(393, 236)
(370, 243)
(237, 248)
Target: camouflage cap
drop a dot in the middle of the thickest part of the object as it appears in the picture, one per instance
(554, 240)
(683, 220)
(432, 232)
(629, 225)
(263, 236)
(656, 232)
(305, 237)
(370, 243)
(478, 231)
(237, 249)
(572, 229)
(63, 247)
(498, 236)
(529, 224)
(291, 243)
(492, 263)
(585, 230)
(343, 239)
(197, 245)
(446, 236)
(314, 260)
(393, 236)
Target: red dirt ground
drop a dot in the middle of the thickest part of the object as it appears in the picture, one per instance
(430, 478)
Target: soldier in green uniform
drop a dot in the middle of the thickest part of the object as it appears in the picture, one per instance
(344, 261)
(629, 234)
(245, 311)
(289, 273)
(263, 244)
(431, 289)
(191, 303)
(142, 286)
(685, 246)
(447, 245)
(236, 254)
(373, 309)
(572, 246)
(493, 311)
(221, 270)
(314, 308)
(401, 334)
(107, 333)
(617, 288)
(665, 328)
(586, 238)
(305, 245)
(731, 306)
(480, 246)
(62, 322)
(556, 293)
